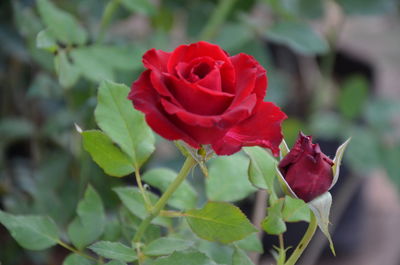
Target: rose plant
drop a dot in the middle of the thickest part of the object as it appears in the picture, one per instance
(214, 103)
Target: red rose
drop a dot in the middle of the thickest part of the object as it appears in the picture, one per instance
(201, 95)
(306, 169)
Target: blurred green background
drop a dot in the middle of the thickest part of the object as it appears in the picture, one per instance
(333, 67)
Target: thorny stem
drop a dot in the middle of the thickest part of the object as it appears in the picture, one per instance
(312, 227)
(155, 211)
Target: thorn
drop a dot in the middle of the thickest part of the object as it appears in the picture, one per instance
(77, 128)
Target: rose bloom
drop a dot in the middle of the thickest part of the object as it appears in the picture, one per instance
(203, 96)
(306, 169)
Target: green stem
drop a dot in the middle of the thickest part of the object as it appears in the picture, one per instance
(217, 18)
(146, 199)
(312, 227)
(282, 252)
(108, 13)
(187, 166)
(74, 250)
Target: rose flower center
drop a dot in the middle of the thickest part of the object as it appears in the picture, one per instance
(201, 70)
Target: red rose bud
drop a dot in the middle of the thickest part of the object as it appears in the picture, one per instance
(306, 169)
(201, 95)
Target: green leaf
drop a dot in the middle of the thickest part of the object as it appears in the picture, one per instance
(191, 257)
(219, 222)
(126, 126)
(112, 230)
(184, 197)
(140, 6)
(109, 157)
(298, 36)
(227, 179)
(91, 67)
(62, 25)
(353, 97)
(366, 7)
(45, 40)
(114, 250)
(133, 200)
(75, 259)
(295, 210)
(115, 262)
(321, 207)
(67, 73)
(273, 224)
(240, 258)
(31, 232)
(219, 253)
(250, 243)
(89, 224)
(261, 168)
(166, 245)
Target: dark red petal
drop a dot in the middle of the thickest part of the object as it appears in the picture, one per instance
(310, 177)
(250, 77)
(157, 79)
(263, 128)
(187, 53)
(156, 60)
(197, 99)
(223, 122)
(146, 99)
(211, 80)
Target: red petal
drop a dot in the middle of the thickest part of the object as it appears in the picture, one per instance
(156, 60)
(146, 99)
(250, 77)
(187, 53)
(263, 128)
(197, 99)
(224, 121)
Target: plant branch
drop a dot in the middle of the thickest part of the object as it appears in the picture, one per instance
(146, 199)
(76, 251)
(155, 211)
(312, 227)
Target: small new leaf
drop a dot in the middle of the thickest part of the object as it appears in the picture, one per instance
(295, 210)
(273, 224)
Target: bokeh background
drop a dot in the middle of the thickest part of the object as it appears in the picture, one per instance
(333, 67)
